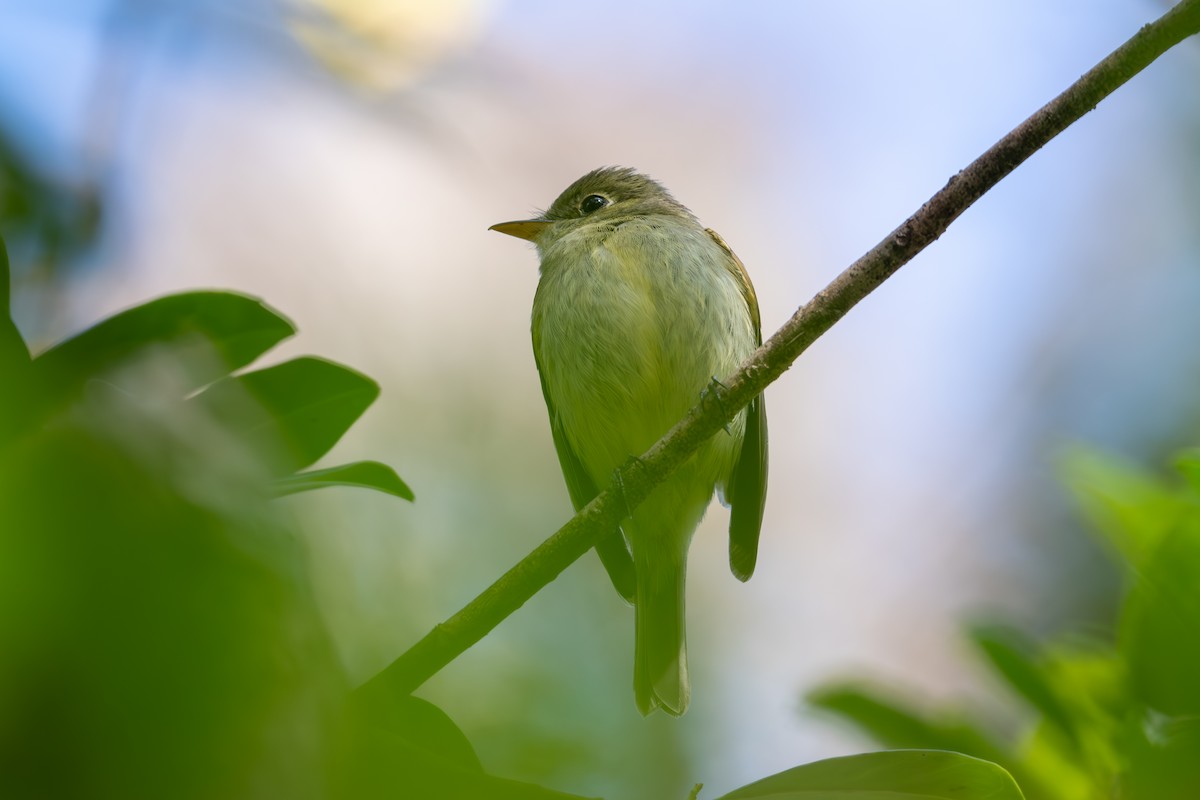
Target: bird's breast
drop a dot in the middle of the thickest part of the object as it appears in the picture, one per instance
(631, 327)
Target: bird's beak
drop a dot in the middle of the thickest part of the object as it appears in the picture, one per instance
(527, 229)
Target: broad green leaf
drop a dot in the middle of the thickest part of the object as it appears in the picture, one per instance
(293, 412)
(408, 747)
(890, 775)
(156, 630)
(1160, 626)
(1131, 508)
(424, 727)
(364, 474)
(1014, 656)
(234, 327)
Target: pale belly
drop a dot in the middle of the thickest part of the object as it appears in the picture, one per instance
(626, 351)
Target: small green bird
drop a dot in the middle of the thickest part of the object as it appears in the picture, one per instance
(638, 310)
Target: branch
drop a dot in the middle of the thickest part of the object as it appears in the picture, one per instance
(452, 637)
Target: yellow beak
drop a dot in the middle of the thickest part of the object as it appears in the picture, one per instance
(527, 229)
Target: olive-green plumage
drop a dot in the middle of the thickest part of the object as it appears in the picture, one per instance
(638, 310)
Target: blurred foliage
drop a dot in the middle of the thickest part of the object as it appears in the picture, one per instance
(158, 635)
(1111, 719)
(47, 220)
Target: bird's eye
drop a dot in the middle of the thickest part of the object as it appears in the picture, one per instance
(593, 202)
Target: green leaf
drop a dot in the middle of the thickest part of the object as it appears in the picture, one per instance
(364, 474)
(1162, 759)
(425, 728)
(1131, 508)
(112, 543)
(891, 775)
(1014, 656)
(1160, 626)
(893, 724)
(407, 747)
(235, 327)
(293, 412)
(1090, 680)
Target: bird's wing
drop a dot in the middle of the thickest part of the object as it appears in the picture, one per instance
(613, 551)
(746, 491)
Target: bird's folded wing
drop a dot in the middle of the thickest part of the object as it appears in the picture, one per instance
(612, 549)
(746, 491)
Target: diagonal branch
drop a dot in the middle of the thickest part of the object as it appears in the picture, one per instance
(452, 637)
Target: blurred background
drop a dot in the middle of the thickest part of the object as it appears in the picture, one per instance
(343, 159)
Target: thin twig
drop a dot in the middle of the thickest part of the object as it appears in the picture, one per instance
(449, 639)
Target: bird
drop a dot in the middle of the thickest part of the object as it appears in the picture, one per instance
(639, 313)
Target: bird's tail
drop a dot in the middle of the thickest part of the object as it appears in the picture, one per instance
(660, 674)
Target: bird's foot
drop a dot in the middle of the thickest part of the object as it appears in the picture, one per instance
(712, 393)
